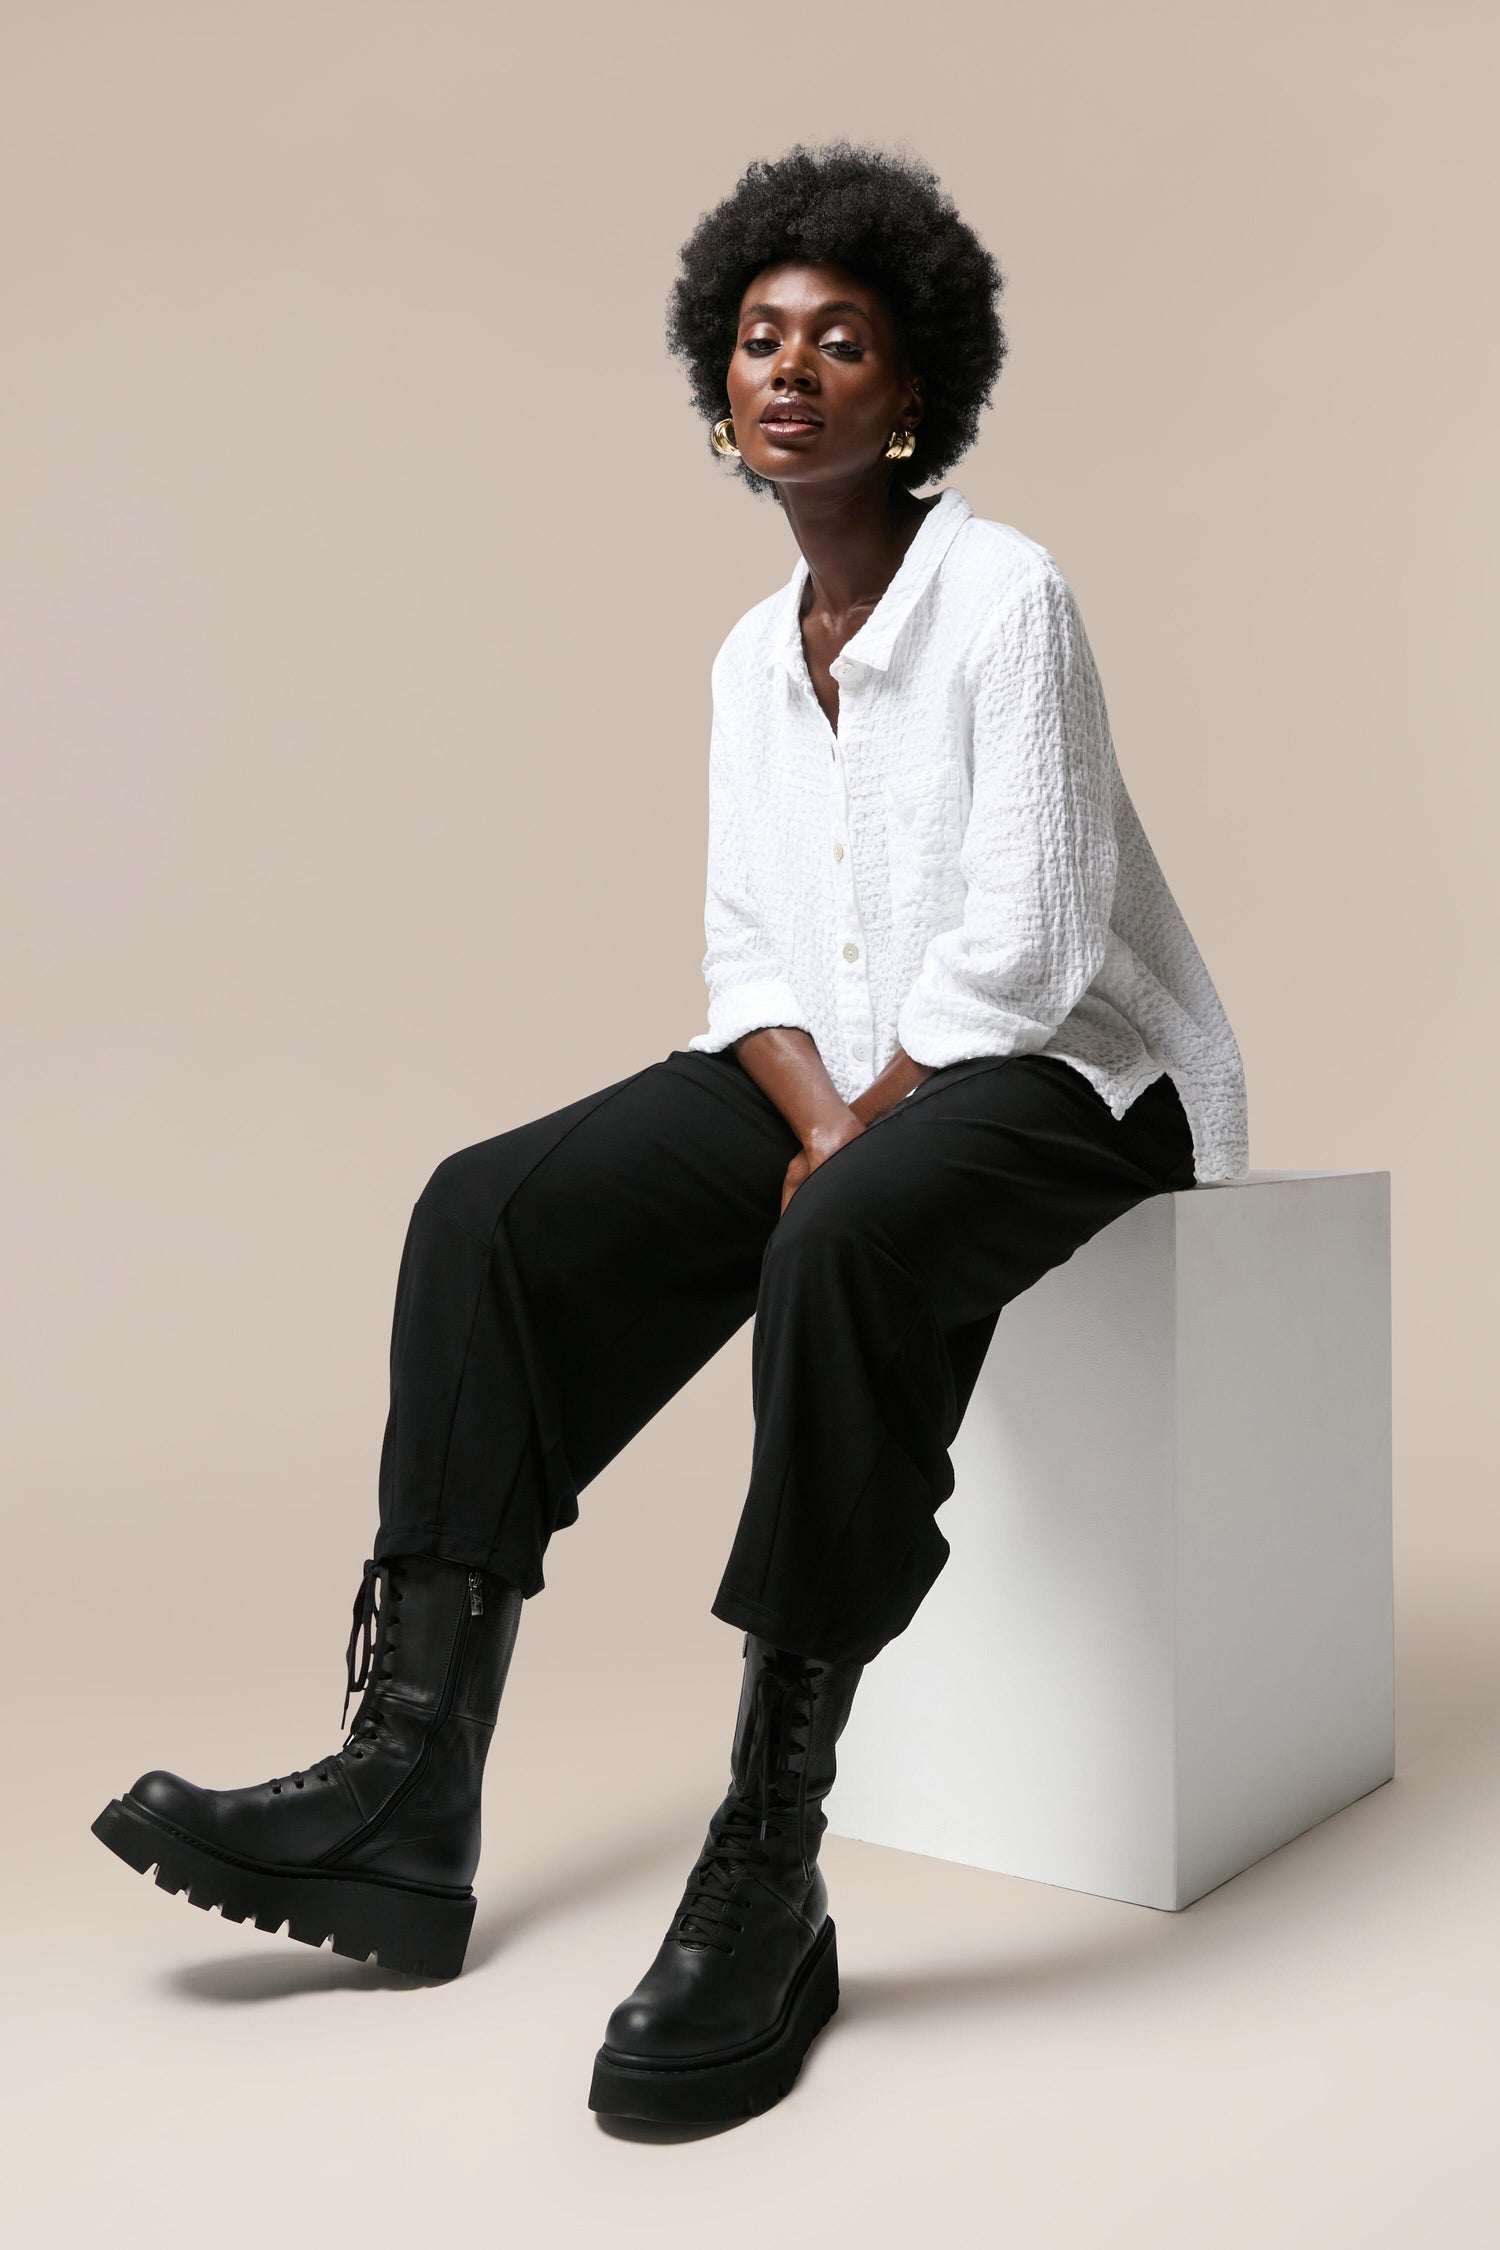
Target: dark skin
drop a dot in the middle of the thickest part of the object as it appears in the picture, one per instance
(817, 384)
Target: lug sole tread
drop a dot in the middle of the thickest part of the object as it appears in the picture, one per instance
(403, 1931)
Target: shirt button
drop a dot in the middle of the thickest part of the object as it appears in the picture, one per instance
(857, 1050)
(851, 952)
(838, 851)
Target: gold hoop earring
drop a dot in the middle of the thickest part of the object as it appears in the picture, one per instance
(721, 438)
(900, 445)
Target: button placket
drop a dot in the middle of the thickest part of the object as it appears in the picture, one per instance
(852, 982)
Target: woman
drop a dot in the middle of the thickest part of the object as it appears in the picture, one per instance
(956, 1025)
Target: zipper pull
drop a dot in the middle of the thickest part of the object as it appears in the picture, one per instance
(476, 1594)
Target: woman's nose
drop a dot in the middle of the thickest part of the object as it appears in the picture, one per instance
(793, 372)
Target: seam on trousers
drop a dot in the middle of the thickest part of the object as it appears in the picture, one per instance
(463, 1371)
(601, 1101)
(488, 1247)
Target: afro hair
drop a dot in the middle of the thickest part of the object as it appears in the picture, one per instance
(883, 216)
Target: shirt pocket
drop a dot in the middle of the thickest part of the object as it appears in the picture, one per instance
(923, 835)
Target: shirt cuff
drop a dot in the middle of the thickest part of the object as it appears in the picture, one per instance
(746, 1008)
(941, 1031)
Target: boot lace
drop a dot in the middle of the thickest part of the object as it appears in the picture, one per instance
(371, 1604)
(370, 1655)
(781, 1711)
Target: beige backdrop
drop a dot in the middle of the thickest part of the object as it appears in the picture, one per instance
(362, 570)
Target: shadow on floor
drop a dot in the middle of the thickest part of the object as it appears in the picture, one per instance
(579, 1881)
(243, 1981)
(665, 2136)
(1342, 1865)
(987, 1984)
(296, 1971)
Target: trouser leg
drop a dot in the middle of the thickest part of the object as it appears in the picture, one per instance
(880, 1289)
(559, 1283)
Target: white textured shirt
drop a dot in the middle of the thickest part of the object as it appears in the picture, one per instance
(960, 869)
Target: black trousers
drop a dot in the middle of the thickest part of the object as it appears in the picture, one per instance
(561, 1282)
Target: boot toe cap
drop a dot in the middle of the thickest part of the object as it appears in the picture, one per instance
(632, 2028)
(653, 2028)
(168, 1796)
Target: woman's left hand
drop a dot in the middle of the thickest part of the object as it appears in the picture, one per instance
(796, 1173)
(817, 1151)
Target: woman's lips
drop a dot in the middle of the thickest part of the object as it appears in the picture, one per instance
(778, 426)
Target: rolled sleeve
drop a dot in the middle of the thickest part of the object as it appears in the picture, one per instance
(1039, 854)
(748, 986)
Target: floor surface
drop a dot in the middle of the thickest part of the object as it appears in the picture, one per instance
(1305, 2056)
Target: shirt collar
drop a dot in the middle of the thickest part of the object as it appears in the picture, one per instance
(875, 642)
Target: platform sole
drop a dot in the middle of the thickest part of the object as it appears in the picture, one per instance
(419, 1933)
(710, 2093)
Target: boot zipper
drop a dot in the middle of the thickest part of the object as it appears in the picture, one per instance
(476, 1594)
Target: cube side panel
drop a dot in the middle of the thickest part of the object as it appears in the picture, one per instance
(1283, 1521)
(1023, 1722)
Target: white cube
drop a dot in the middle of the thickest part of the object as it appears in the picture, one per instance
(1162, 1644)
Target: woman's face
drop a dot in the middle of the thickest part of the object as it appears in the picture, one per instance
(816, 384)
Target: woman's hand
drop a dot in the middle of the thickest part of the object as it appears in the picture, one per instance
(786, 1065)
(817, 1151)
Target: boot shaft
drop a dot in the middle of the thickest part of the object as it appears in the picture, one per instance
(792, 1711)
(440, 1638)
(764, 1838)
(431, 1637)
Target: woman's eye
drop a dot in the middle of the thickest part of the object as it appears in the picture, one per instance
(760, 344)
(843, 345)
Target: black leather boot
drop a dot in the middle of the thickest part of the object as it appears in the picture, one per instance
(376, 1845)
(748, 1974)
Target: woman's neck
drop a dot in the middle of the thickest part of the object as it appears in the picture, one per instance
(853, 544)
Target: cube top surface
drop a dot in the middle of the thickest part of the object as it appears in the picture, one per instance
(1263, 1178)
